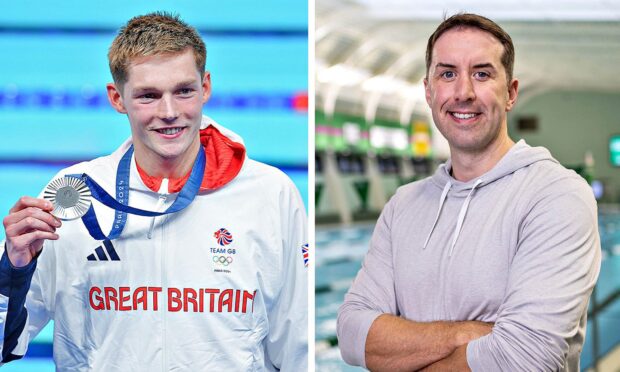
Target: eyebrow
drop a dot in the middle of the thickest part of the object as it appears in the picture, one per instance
(445, 65)
(485, 65)
(188, 82)
(147, 88)
(479, 65)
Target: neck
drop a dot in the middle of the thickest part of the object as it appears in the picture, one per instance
(176, 167)
(467, 165)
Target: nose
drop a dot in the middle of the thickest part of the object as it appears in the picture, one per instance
(464, 90)
(167, 109)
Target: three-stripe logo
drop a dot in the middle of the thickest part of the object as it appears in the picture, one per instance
(100, 253)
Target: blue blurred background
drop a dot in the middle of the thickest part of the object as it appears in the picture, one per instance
(54, 111)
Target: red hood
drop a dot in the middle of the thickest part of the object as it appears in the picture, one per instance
(224, 160)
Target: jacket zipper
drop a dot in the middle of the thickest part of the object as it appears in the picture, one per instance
(164, 285)
(163, 196)
(162, 199)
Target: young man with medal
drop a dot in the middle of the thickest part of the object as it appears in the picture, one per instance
(177, 251)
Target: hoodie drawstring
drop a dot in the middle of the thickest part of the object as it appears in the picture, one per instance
(446, 188)
(462, 213)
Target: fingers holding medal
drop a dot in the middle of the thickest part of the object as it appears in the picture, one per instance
(28, 224)
(31, 221)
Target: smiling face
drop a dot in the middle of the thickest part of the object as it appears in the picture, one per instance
(467, 90)
(163, 99)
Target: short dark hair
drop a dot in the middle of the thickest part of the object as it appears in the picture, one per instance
(153, 34)
(468, 20)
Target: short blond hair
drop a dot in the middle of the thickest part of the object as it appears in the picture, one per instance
(153, 34)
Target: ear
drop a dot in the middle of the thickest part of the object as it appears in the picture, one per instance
(513, 92)
(427, 91)
(206, 87)
(115, 98)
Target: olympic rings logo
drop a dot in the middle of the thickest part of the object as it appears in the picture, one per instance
(223, 260)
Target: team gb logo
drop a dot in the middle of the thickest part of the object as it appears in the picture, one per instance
(223, 236)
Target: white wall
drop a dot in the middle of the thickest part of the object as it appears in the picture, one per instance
(571, 123)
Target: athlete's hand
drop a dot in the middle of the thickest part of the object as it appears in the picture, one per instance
(27, 226)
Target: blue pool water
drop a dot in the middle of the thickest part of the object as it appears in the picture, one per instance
(54, 110)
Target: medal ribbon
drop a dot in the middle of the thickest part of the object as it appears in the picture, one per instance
(120, 204)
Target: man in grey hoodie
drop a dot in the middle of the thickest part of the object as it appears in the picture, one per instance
(487, 265)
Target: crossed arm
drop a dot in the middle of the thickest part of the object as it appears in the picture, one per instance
(396, 344)
(371, 333)
(539, 323)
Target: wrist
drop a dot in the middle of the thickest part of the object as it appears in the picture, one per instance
(15, 273)
(18, 261)
(461, 334)
(470, 330)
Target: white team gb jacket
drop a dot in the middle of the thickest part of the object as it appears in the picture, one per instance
(220, 285)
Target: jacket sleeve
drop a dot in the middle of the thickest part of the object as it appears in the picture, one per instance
(286, 345)
(371, 294)
(551, 278)
(22, 313)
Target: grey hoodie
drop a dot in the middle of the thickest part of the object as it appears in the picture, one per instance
(518, 246)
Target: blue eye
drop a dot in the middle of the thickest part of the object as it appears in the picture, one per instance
(185, 91)
(482, 75)
(448, 74)
(147, 97)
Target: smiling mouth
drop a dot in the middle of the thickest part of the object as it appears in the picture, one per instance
(169, 131)
(464, 116)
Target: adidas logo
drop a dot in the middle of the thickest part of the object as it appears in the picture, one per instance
(100, 253)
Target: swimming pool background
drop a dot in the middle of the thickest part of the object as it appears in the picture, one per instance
(54, 110)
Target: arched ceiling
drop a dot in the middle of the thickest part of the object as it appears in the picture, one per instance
(370, 53)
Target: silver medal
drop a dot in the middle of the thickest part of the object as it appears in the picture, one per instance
(70, 196)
